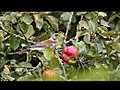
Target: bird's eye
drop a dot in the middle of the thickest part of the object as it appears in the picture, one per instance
(56, 34)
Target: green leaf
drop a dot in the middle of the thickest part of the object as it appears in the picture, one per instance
(27, 19)
(104, 23)
(2, 62)
(13, 17)
(23, 27)
(14, 42)
(117, 27)
(7, 77)
(112, 18)
(44, 36)
(118, 69)
(103, 31)
(87, 38)
(116, 46)
(82, 47)
(54, 62)
(103, 14)
(92, 25)
(2, 47)
(25, 64)
(48, 53)
(29, 32)
(90, 15)
(83, 24)
(65, 16)
(6, 70)
(1, 36)
(38, 21)
(60, 39)
(92, 52)
(99, 47)
(80, 13)
(28, 78)
(14, 74)
(19, 71)
(53, 21)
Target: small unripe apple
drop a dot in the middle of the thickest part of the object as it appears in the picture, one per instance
(50, 75)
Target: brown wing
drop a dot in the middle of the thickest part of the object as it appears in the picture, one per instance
(45, 43)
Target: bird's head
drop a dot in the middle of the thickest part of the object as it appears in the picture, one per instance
(54, 37)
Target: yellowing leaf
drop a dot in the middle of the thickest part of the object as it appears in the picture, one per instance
(38, 21)
(27, 19)
(48, 53)
(29, 32)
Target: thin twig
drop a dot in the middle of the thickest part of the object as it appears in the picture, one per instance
(39, 64)
(77, 35)
(68, 26)
(63, 68)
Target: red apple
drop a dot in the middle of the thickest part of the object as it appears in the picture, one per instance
(65, 58)
(71, 51)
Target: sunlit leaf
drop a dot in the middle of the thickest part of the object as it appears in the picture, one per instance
(6, 70)
(48, 53)
(27, 19)
(65, 16)
(13, 17)
(103, 14)
(29, 32)
(104, 23)
(83, 24)
(80, 13)
(39, 21)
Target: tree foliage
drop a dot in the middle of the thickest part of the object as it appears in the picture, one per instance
(95, 34)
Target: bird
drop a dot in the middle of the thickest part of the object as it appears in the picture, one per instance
(51, 42)
(39, 46)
